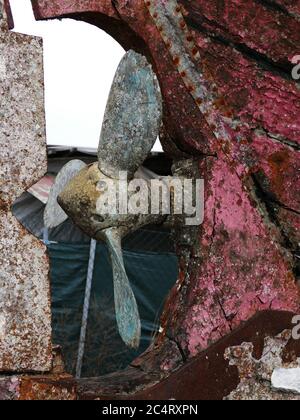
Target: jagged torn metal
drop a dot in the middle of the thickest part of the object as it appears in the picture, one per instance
(132, 118)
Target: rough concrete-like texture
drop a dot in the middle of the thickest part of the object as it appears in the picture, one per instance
(55, 385)
(28, 388)
(256, 375)
(25, 315)
(243, 133)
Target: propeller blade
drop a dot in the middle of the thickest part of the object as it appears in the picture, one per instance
(132, 118)
(54, 214)
(127, 314)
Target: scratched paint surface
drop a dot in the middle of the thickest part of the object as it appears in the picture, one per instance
(237, 113)
(25, 318)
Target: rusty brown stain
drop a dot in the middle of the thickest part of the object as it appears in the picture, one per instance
(54, 387)
(279, 163)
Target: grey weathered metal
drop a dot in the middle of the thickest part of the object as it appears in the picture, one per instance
(54, 214)
(25, 314)
(132, 118)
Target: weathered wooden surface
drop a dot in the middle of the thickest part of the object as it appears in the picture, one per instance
(243, 258)
(25, 316)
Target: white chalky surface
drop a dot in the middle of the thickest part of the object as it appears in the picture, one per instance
(286, 380)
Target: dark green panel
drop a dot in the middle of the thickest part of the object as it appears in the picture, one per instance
(152, 275)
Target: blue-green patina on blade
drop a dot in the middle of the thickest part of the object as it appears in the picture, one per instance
(132, 118)
(54, 215)
(127, 314)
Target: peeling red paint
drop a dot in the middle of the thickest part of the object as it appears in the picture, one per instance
(280, 167)
(48, 9)
(242, 269)
(247, 22)
(260, 99)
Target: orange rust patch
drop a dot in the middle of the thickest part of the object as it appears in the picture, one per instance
(221, 104)
(54, 387)
(182, 24)
(279, 163)
(171, 298)
(3, 207)
(229, 114)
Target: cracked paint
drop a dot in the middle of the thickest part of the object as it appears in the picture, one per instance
(252, 24)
